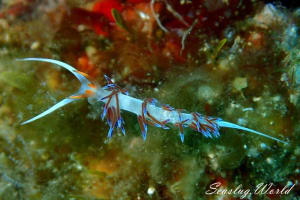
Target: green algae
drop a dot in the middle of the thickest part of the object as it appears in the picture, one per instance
(119, 19)
(15, 79)
(217, 50)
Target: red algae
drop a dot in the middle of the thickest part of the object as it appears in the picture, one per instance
(95, 20)
(105, 6)
(86, 66)
(17, 9)
(141, 18)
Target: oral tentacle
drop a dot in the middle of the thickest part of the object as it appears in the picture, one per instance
(86, 89)
(50, 110)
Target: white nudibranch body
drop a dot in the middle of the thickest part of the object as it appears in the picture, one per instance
(148, 111)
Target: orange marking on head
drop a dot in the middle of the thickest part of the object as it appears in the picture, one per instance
(76, 97)
(83, 74)
(89, 93)
(91, 85)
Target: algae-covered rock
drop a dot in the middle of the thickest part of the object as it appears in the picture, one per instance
(15, 79)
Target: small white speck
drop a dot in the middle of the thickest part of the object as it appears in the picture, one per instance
(35, 45)
(247, 109)
(276, 98)
(144, 16)
(242, 121)
(79, 167)
(263, 145)
(289, 183)
(81, 27)
(256, 99)
(151, 190)
(269, 160)
(211, 155)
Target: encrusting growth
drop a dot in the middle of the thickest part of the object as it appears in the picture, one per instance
(148, 111)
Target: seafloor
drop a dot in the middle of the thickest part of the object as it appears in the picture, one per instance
(238, 60)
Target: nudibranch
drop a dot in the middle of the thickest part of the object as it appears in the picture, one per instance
(148, 111)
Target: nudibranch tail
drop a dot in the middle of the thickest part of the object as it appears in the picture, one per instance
(148, 111)
(86, 89)
(235, 126)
